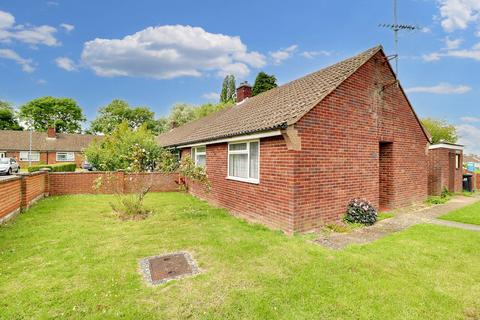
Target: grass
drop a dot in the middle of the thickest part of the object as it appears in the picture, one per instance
(68, 257)
(469, 214)
(384, 215)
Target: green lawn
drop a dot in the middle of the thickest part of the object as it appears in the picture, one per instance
(68, 257)
(469, 214)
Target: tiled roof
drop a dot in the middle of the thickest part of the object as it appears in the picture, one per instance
(275, 108)
(20, 140)
(471, 158)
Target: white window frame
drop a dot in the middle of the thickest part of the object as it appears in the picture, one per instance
(25, 156)
(229, 152)
(3, 154)
(194, 153)
(70, 156)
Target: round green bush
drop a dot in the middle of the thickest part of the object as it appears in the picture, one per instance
(361, 211)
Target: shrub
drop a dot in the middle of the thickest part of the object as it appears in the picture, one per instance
(131, 207)
(361, 211)
(445, 193)
(58, 167)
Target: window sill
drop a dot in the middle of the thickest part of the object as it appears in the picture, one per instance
(252, 181)
(64, 160)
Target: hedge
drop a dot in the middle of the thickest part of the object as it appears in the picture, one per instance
(58, 167)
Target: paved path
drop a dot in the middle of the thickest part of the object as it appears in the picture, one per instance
(403, 219)
(455, 224)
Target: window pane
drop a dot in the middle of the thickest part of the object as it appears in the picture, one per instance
(193, 154)
(238, 146)
(254, 160)
(238, 165)
(200, 149)
(200, 160)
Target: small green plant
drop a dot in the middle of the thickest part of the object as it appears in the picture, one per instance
(131, 207)
(445, 193)
(188, 170)
(361, 211)
(432, 200)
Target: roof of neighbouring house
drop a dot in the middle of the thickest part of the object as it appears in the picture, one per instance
(273, 109)
(20, 141)
(471, 158)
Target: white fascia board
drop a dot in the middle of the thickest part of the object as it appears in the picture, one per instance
(237, 138)
(446, 146)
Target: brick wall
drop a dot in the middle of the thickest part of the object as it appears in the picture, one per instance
(363, 140)
(19, 192)
(441, 164)
(11, 195)
(34, 186)
(83, 182)
(269, 202)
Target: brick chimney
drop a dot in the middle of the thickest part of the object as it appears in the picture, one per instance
(244, 91)
(51, 134)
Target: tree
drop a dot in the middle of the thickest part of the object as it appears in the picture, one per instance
(8, 117)
(263, 82)
(180, 114)
(135, 151)
(228, 93)
(125, 149)
(119, 111)
(62, 113)
(207, 108)
(440, 130)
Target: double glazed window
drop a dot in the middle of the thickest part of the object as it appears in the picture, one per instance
(34, 156)
(243, 161)
(199, 155)
(65, 156)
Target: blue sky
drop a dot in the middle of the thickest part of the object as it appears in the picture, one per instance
(157, 53)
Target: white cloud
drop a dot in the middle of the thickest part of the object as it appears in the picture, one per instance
(26, 64)
(458, 14)
(470, 137)
(170, 51)
(283, 54)
(66, 63)
(313, 54)
(452, 43)
(7, 20)
(442, 88)
(473, 53)
(434, 56)
(41, 81)
(33, 35)
(68, 27)
(211, 96)
(470, 119)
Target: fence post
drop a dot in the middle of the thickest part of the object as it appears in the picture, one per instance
(23, 190)
(46, 190)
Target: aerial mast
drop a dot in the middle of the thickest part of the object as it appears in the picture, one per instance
(397, 27)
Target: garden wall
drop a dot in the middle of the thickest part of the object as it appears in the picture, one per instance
(20, 191)
(83, 182)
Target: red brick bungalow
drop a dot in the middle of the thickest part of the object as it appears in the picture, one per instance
(292, 157)
(445, 165)
(47, 147)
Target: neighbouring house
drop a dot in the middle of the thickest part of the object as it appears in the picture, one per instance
(471, 162)
(47, 147)
(445, 168)
(292, 157)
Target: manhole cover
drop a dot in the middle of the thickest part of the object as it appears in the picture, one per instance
(160, 269)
